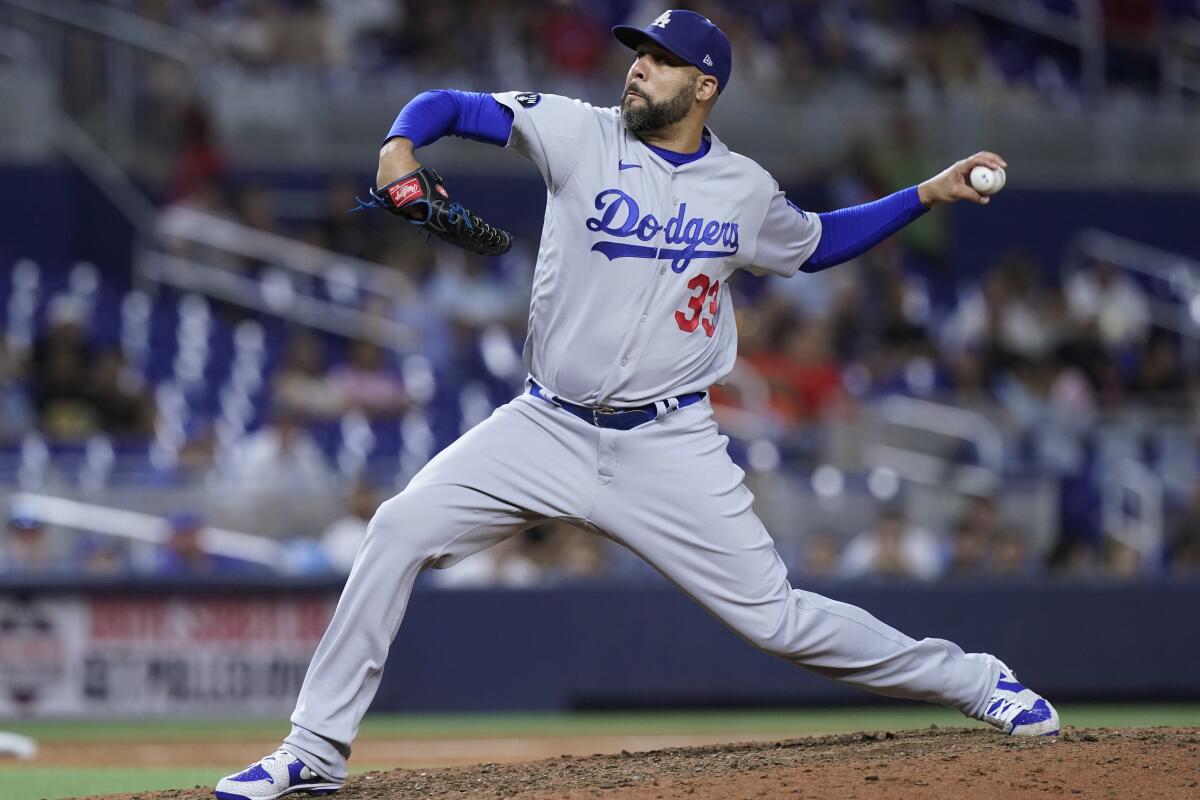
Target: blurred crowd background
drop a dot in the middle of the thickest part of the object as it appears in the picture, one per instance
(788, 47)
(249, 370)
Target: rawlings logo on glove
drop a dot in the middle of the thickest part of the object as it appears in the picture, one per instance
(402, 193)
(421, 198)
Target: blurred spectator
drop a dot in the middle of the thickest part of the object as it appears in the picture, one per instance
(305, 39)
(341, 540)
(1084, 350)
(59, 366)
(506, 564)
(102, 555)
(200, 163)
(1112, 300)
(468, 293)
(969, 551)
(338, 230)
(30, 548)
(564, 552)
(981, 545)
(1183, 537)
(899, 160)
(893, 549)
(122, 405)
(798, 366)
(822, 552)
(1009, 315)
(574, 42)
(416, 309)
(279, 458)
(1010, 553)
(256, 209)
(928, 50)
(302, 382)
(183, 553)
(551, 552)
(1123, 561)
(248, 34)
(365, 382)
(16, 410)
(278, 477)
(359, 26)
(1160, 378)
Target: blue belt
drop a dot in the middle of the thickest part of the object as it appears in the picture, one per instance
(621, 419)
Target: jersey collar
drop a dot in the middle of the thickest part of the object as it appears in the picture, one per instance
(716, 149)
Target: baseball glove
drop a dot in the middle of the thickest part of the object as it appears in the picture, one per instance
(421, 198)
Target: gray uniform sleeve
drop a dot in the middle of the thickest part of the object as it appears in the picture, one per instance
(787, 237)
(549, 130)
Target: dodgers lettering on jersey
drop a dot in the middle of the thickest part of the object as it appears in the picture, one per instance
(616, 206)
(630, 302)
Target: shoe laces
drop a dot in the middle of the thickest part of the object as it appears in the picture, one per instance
(1005, 708)
(278, 755)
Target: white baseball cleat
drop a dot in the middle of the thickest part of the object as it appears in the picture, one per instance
(278, 774)
(1018, 710)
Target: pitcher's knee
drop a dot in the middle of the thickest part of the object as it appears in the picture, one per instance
(404, 524)
(775, 629)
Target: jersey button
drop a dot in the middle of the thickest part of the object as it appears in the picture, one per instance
(644, 317)
(624, 361)
(662, 270)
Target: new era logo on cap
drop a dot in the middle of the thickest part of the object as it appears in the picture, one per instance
(691, 36)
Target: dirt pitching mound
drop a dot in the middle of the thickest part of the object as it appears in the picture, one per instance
(1158, 763)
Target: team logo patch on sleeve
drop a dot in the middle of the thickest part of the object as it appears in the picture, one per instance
(529, 99)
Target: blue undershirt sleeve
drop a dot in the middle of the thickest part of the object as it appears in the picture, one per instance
(849, 232)
(431, 115)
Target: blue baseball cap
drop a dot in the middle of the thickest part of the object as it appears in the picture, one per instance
(691, 36)
(184, 520)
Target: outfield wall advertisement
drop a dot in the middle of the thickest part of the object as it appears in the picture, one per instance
(92, 655)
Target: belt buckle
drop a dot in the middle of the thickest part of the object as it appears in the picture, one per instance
(598, 410)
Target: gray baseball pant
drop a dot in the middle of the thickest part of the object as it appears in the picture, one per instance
(669, 492)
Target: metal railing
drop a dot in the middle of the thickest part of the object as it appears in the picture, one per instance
(194, 251)
(27, 97)
(1132, 508)
(55, 128)
(135, 526)
(1175, 275)
(116, 74)
(926, 442)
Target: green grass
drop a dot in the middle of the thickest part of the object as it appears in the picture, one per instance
(33, 782)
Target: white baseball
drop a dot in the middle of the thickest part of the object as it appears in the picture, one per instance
(986, 180)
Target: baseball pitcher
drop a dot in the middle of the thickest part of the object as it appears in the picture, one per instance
(648, 215)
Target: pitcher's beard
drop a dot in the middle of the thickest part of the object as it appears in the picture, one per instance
(648, 116)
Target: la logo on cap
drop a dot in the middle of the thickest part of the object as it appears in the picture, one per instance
(663, 20)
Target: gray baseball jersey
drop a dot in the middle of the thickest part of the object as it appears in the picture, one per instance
(630, 305)
(630, 297)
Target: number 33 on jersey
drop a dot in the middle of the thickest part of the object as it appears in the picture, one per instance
(646, 313)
